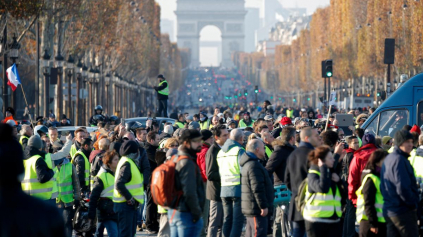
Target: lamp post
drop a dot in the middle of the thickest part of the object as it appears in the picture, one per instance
(3, 49)
(46, 72)
(91, 75)
(97, 87)
(59, 62)
(107, 84)
(84, 105)
(77, 108)
(69, 72)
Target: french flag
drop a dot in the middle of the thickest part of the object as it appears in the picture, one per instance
(13, 76)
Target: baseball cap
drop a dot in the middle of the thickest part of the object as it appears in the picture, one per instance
(286, 121)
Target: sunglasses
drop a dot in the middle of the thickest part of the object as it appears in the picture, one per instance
(174, 145)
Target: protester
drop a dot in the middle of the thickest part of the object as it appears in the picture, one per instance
(370, 199)
(247, 121)
(257, 192)
(82, 164)
(220, 134)
(322, 211)
(296, 171)
(185, 218)
(26, 133)
(399, 189)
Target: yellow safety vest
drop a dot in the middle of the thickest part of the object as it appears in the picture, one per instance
(204, 125)
(73, 150)
(268, 151)
(64, 183)
(417, 163)
(135, 186)
(165, 91)
(322, 205)
(361, 213)
(179, 124)
(229, 171)
(242, 124)
(21, 139)
(108, 183)
(32, 186)
(86, 168)
(289, 113)
(161, 209)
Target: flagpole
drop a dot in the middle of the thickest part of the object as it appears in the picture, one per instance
(26, 102)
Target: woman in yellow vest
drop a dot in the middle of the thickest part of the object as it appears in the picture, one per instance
(101, 199)
(369, 198)
(322, 211)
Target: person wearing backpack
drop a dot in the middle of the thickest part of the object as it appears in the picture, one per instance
(370, 199)
(322, 211)
(296, 172)
(185, 218)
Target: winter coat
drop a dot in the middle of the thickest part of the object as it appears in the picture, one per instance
(212, 173)
(361, 156)
(159, 88)
(96, 161)
(44, 173)
(201, 160)
(188, 180)
(103, 206)
(256, 187)
(296, 171)
(276, 164)
(369, 195)
(124, 176)
(79, 163)
(398, 184)
(151, 155)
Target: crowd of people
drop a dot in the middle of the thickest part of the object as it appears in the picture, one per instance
(226, 169)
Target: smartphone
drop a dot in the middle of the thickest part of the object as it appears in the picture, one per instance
(122, 121)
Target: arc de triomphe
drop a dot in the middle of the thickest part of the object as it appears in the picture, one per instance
(227, 15)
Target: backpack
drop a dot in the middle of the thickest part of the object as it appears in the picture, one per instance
(163, 190)
(300, 199)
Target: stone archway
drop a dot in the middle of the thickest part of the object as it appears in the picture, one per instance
(227, 15)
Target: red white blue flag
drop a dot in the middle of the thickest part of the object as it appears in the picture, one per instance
(13, 76)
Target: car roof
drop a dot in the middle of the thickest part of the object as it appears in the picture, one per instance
(73, 128)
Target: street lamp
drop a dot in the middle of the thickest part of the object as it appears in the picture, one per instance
(14, 50)
(69, 72)
(59, 62)
(79, 66)
(45, 59)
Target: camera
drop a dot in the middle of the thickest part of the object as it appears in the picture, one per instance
(345, 143)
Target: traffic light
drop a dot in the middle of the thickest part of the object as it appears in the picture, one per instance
(256, 90)
(308, 99)
(245, 92)
(294, 100)
(271, 97)
(327, 68)
(236, 96)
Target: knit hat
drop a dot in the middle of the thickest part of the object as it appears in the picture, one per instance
(10, 110)
(386, 139)
(268, 117)
(160, 76)
(194, 125)
(401, 136)
(36, 142)
(190, 118)
(168, 129)
(368, 138)
(189, 134)
(178, 132)
(206, 134)
(128, 147)
(286, 121)
(416, 129)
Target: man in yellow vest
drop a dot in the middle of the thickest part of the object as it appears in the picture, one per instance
(129, 188)
(181, 121)
(80, 134)
(162, 95)
(416, 161)
(228, 160)
(68, 191)
(26, 132)
(82, 165)
(267, 139)
(39, 179)
(247, 121)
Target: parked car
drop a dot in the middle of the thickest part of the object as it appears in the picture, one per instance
(65, 130)
(161, 120)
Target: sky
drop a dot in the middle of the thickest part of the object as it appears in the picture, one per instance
(169, 6)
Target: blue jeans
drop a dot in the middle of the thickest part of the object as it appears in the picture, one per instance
(111, 227)
(140, 216)
(127, 219)
(181, 224)
(298, 229)
(233, 219)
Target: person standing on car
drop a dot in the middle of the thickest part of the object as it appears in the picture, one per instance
(162, 95)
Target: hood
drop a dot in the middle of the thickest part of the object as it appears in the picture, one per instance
(350, 150)
(365, 151)
(246, 157)
(32, 151)
(419, 151)
(229, 144)
(94, 154)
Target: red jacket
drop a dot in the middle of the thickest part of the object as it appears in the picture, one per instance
(361, 156)
(201, 160)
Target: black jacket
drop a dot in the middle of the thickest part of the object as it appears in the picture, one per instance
(124, 176)
(97, 163)
(79, 163)
(276, 132)
(104, 206)
(151, 155)
(158, 88)
(24, 143)
(145, 166)
(276, 165)
(188, 179)
(213, 176)
(44, 174)
(296, 171)
(23, 215)
(256, 187)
